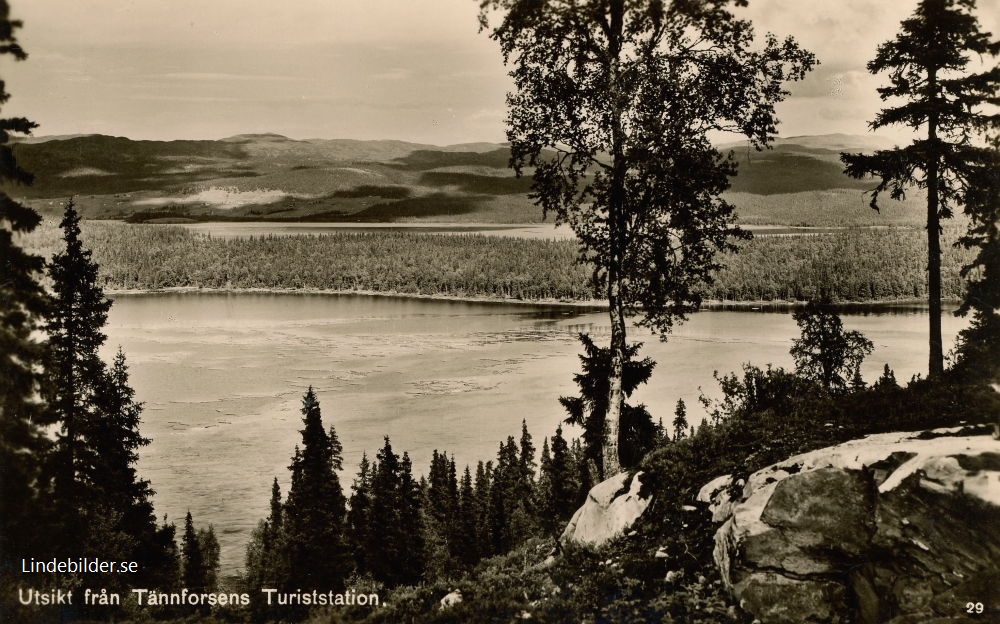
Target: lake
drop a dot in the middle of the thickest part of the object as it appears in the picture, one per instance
(536, 231)
(222, 376)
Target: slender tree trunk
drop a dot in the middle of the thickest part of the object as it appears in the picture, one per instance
(616, 219)
(935, 364)
(612, 464)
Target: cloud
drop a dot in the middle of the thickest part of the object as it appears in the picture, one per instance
(220, 76)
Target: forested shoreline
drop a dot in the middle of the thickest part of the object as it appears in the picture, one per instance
(855, 265)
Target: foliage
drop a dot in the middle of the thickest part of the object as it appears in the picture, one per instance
(767, 415)
(636, 434)
(927, 64)
(558, 484)
(75, 367)
(263, 566)
(193, 560)
(612, 105)
(394, 550)
(23, 305)
(851, 265)
(824, 352)
(313, 545)
(680, 422)
(101, 502)
(980, 343)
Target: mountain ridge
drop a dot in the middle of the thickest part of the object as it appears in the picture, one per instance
(269, 176)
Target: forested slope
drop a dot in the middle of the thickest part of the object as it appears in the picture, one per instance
(851, 265)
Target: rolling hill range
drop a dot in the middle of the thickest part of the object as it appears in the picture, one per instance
(271, 177)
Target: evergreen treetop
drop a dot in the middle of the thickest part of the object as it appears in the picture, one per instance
(931, 90)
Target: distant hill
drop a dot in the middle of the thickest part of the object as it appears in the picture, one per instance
(273, 177)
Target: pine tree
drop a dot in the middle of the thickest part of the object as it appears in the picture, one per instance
(314, 550)
(23, 307)
(680, 422)
(441, 490)
(543, 487)
(927, 64)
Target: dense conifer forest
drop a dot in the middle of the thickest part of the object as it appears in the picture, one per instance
(878, 265)
(453, 543)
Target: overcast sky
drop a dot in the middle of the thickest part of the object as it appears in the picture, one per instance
(415, 70)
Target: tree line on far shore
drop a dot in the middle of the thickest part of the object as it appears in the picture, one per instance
(864, 265)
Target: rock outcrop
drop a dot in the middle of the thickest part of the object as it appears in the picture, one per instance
(891, 528)
(612, 507)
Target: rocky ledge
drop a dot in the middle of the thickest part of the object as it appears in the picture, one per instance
(900, 528)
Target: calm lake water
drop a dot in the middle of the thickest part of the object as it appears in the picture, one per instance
(222, 376)
(537, 231)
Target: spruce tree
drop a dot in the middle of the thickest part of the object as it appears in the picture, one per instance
(637, 432)
(483, 485)
(76, 371)
(314, 550)
(208, 544)
(932, 91)
(385, 532)
(980, 342)
(23, 306)
(193, 560)
(505, 486)
(560, 477)
(108, 473)
(263, 564)
(680, 422)
(467, 542)
(262, 557)
(359, 514)
(613, 105)
(410, 556)
(586, 470)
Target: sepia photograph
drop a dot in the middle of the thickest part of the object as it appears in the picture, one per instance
(497, 311)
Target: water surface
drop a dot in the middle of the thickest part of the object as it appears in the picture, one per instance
(222, 376)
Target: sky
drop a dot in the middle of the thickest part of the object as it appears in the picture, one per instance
(414, 70)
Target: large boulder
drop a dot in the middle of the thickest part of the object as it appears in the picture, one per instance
(898, 527)
(612, 506)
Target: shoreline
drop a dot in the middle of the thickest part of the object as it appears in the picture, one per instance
(590, 304)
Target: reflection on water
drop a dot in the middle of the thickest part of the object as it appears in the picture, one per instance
(222, 377)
